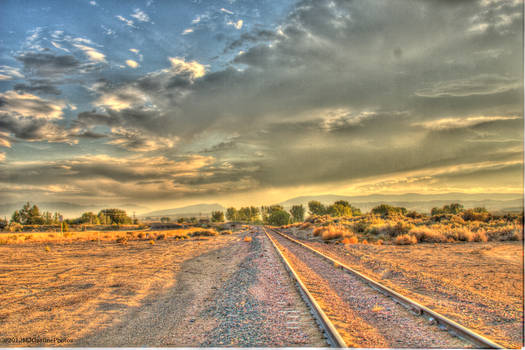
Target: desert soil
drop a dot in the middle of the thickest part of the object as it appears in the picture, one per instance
(479, 285)
(215, 291)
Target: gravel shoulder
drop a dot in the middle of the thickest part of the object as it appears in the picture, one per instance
(479, 285)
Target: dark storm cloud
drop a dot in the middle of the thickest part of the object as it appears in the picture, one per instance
(38, 87)
(47, 64)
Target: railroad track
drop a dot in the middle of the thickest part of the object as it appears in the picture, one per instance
(344, 293)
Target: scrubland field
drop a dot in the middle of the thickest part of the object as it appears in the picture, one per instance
(470, 271)
(173, 287)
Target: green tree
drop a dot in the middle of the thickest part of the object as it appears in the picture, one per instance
(316, 208)
(279, 218)
(16, 217)
(89, 218)
(231, 214)
(217, 216)
(339, 209)
(115, 216)
(297, 212)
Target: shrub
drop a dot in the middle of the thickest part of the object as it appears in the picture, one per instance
(3, 241)
(332, 231)
(247, 239)
(122, 240)
(317, 231)
(206, 233)
(47, 248)
(152, 242)
(140, 235)
(426, 234)
(405, 239)
(349, 240)
(226, 232)
(161, 237)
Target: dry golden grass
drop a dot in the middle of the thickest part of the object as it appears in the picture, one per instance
(102, 236)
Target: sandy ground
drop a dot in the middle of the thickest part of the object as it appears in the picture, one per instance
(479, 285)
(171, 293)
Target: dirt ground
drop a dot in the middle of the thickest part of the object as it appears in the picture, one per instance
(479, 285)
(194, 292)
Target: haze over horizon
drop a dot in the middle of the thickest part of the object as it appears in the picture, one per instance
(164, 104)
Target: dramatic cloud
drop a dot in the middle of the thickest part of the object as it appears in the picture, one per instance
(136, 140)
(27, 105)
(313, 95)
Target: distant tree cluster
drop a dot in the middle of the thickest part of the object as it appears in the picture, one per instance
(388, 210)
(339, 208)
(30, 215)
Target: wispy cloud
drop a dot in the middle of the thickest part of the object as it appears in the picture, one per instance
(455, 123)
(187, 31)
(140, 15)
(128, 22)
(8, 73)
(226, 11)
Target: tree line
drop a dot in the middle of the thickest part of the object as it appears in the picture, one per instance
(31, 215)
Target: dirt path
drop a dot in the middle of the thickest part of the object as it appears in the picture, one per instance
(210, 292)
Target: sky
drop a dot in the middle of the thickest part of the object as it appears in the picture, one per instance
(168, 103)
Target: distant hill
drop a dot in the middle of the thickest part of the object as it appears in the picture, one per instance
(191, 210)
(421, 202)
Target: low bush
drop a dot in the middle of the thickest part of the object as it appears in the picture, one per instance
(349, 240)
(332, 232)
(247, 239)
(226, 232)
(161, 237)
(405, 239)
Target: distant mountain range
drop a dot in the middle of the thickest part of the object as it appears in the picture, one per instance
(421, 202)
(191, 210)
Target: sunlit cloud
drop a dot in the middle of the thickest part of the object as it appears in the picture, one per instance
(132, 63)
(187, 31)
(28, 105)
(453, 123)
(179, 65)
(237, 25)
(93, 54)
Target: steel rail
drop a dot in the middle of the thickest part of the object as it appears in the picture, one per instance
(453, 327)
(333, 336)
